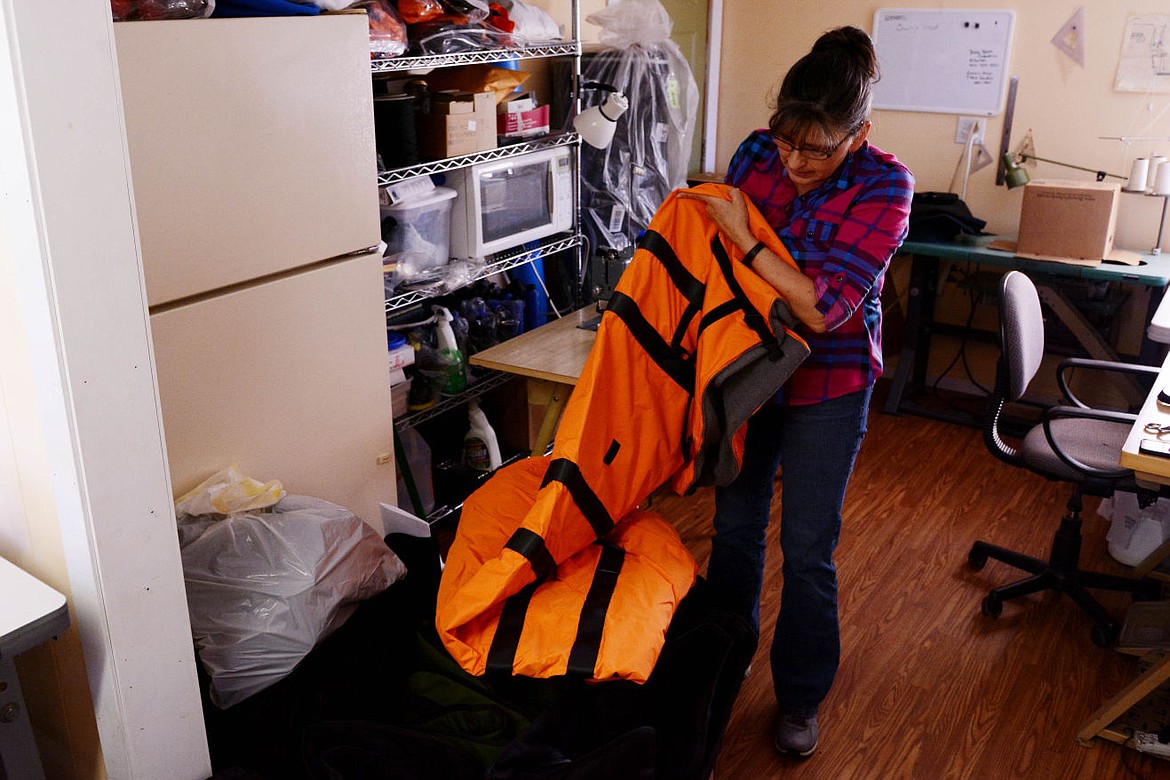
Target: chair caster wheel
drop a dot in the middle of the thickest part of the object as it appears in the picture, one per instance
(992, 606)
(976, 560)
(1106, 635)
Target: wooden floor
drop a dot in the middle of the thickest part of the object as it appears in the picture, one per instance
(928, 687)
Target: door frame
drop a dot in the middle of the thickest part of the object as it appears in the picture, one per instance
(711, 87)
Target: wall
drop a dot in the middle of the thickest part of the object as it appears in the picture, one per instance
(53, 675)
(84, 491)
(1067, 107)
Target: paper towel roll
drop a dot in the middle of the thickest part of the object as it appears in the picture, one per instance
(1162, 179)
(1137, 175)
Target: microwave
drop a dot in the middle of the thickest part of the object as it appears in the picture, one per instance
(505, 203)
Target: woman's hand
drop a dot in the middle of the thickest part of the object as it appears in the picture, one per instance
(730, 216)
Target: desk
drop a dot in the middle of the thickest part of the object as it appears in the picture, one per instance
(1155, 470)
(30, 613)
(910, 375)
(551, 357)
(1149, 468)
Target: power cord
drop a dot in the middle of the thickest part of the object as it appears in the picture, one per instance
(961, 353)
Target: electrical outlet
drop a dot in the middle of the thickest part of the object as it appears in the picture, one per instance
(968, 125)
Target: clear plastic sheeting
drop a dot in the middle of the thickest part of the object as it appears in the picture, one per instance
(149, 10)
(625, 183)
(264, 587)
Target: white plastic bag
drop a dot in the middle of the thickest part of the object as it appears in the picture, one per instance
(263, 588)
(533, 25)
(632, 23)
(228, 491)
(1134, 532)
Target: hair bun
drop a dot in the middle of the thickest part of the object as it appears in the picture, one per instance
(849, 43)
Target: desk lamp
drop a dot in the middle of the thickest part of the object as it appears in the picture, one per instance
(597, 124)
(1015, 176)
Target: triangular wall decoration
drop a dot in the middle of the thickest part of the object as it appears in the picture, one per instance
(1070, 39)
(1027, 148)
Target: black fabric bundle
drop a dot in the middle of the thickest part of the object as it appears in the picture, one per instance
(941, 216)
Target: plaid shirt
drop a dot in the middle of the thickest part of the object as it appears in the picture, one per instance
(842, 235)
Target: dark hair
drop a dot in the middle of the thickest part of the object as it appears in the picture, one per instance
(829, 88)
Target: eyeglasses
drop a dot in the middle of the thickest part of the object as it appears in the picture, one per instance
(808, 152)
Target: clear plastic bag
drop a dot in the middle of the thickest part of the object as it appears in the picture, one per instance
(473, 10)
(632, 23)
(387, 32)
(144, 10)
(415, 11)
(624, 184)
(449, 38)
(263, 588)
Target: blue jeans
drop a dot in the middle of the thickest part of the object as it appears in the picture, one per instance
(816, 445)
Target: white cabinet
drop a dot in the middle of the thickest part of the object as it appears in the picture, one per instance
(288, 379)
(252, 157)
(251, 144)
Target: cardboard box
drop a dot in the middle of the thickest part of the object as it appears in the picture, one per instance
(458, 123)
(1068, 220)
(518, 116)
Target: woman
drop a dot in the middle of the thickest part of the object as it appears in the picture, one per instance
(840, 206)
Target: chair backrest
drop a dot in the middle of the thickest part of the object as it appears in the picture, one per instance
(1021, 337)
(1021, 331)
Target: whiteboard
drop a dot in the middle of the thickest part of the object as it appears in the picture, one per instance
(948, 61)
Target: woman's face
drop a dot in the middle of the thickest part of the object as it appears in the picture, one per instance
(811, 159)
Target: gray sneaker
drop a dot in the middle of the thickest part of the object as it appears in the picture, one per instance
(797, 735)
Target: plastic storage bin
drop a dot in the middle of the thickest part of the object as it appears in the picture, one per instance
(419, 238)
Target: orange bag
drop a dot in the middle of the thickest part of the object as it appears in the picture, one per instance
(576, 622)
(691, 344)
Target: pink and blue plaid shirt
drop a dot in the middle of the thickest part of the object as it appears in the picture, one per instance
(842, 235)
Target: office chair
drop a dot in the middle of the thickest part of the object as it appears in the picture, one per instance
(1072, 443)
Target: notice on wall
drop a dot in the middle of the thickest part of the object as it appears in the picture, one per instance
(1144, 64)
(942, 60)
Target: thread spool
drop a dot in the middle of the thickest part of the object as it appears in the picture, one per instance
(1162, 179)
(1137, 175)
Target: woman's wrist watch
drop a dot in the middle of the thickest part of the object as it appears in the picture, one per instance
(750, 256)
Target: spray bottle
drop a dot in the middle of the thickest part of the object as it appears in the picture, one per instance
(481, 449)
(454, 370)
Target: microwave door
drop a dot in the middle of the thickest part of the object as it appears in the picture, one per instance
(550, 203)
(514, 208)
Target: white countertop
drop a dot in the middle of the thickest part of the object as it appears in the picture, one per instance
(30, 611)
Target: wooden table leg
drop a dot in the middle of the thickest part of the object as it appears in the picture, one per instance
(553, 396)
(1130, 695)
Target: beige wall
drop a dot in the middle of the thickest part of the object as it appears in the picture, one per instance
(1067, 107)
(53, 675)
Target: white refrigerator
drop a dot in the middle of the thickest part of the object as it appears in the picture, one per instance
(255, 185)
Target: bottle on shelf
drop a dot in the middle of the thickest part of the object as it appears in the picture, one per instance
(454, 367)
(481, 449)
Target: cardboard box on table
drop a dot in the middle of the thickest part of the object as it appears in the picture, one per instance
(1070, 222)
